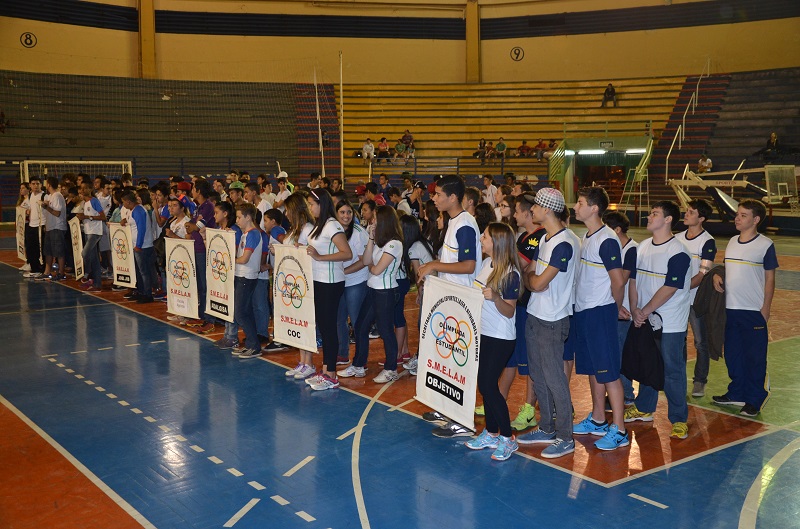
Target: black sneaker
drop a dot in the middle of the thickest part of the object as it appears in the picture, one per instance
(749, 411)
(724, 400)
(144, 299)
(435, 417)
(131, 296)
(275, 346)
(452, 429)
(118, 288)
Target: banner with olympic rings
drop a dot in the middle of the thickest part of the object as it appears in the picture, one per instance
(20, 227)
(181, 278)
(77, 245)
(122, 255)
(450, 331)
(220, 264)
(293, 298)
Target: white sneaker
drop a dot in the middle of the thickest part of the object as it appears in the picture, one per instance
(353, 371)
(411, 364)
(31, 275)
(315, 379)
(25, 268)
(386, 376)
(304, 371)
(293, 371)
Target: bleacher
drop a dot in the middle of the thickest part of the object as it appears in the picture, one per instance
(448, 120)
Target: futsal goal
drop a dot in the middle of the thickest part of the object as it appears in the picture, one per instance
(44, 168)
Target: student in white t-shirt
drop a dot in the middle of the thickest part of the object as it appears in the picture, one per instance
(248, 264)
(499, 279)
(283, 194)
(177, 212)
(457, 263)
(749, 285)
(92, 217)
(382, 257)
(328, 247)
(355, 285)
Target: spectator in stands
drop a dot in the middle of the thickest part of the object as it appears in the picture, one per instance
(411, 152)
(400, 151)
(383, 150)
(524, 150)
(541, 147)
(771, 149)
(384, 185)
(481, 152)
(407, 138)
(488, 151)
(500, 149)
(368, 151)
(551, 148)
(704, 164)
(610, 94)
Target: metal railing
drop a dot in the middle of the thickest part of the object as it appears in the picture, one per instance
(691, 105)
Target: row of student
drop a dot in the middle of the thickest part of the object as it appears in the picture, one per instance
(578, 312)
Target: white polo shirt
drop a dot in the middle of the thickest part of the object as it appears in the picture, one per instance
(745, 264)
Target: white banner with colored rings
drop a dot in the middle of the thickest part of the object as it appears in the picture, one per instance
(450, 331)
(181, 278)
(122, 255)
(20, 227)
(77, 246)
(293, 298)
(220, 266)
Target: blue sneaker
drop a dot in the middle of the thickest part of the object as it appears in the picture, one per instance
(560, 447)
(484, 440)
(505, 447)
(613, 439)
(536, 436)
(588, 426)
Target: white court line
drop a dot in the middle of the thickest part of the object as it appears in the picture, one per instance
(69, 370)
(752, 502)
(298, 466)
(280, 500)
(235, 472)
(180, 438)
(215, 460)
(648, 500)
(123, 403)
(256, 485)
(159, 341)
(88, 382)
(80, 377)
(137, 411)
(197, 448)
(402, 404)
(305, 516)
(362, 508)
(59, 365)
(347, 434)
(183, 338)
(76, 352)
(105, 348)
(244, 510)
(116, 498)
(111, 396)
(164, 427)
(49, 356)
(132, 344)
(149, 419)
(99, 388)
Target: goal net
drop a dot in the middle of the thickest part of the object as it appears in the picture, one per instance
(44, 168)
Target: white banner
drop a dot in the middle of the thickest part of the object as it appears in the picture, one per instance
(220, 266)
(77, 246)
(20, 226)
(449, 346)
(293, 298)
(122, 255)
(181, 278)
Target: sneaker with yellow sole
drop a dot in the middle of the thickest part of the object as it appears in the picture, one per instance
(680, 430)
(480, 411)
(633, 414)
(526, 418)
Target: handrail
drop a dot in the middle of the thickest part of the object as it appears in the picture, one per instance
(735, 174)
(557, 160)
(641, 168)
(683, 121)
(669, 153)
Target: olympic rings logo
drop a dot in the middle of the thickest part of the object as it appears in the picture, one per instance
(293, 289)
(450, 334)
(120, 247)
(220, 264)
(180, 273)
